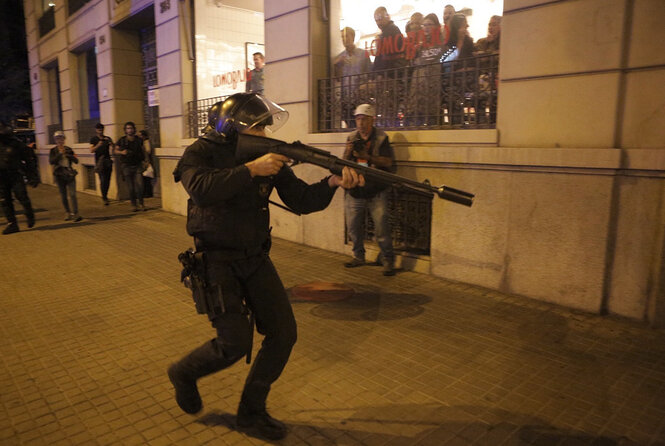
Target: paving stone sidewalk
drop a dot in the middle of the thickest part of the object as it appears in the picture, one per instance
(92, 313)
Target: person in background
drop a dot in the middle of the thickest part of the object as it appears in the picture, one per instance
(100, 145)
(132, 159)
(390, 56)
(371, 147)
(448, 13)
(488, 80)
(460, 41)
(63, 158)
(415, 23)
(423, 104)
(255, 81)
(490, 44)
(16, 162)
(149, 174)
(351, 63)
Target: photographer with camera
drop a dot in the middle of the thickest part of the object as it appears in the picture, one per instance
(371, 147)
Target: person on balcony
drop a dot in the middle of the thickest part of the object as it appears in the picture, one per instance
(424, 88)
(488, 78)
(350, 64)
(458, 79)
(448, 13)
(389, 85)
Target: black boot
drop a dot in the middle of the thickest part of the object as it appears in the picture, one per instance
(11, 228)
(31, 218)
(254, 419)
(183, 375)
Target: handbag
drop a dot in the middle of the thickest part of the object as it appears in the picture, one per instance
(66, 173)
(149, 171)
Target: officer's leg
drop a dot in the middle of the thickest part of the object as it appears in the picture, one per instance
(379, 210)
(274, 319)
(21, 194)
(355, 224)
(232, 342)
(7, 205)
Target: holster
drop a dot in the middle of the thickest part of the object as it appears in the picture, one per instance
(193, 276)
(220, 296)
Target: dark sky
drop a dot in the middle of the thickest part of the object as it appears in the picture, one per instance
(14, 75)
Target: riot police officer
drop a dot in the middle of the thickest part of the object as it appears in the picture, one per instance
(231, 274)
(16, 163)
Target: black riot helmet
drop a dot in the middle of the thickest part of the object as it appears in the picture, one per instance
(244, 111)
(213, 116)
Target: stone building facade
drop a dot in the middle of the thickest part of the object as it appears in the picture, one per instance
(570, 196)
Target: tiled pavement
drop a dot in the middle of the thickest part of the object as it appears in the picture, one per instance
(91, 314)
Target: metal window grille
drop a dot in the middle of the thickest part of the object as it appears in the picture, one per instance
(410, 217)
(86, 129)
(197, 112)
(90, 183)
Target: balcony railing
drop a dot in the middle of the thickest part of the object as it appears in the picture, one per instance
(47, 21)
(457, 94)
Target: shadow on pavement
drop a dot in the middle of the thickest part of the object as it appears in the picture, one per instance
(428, 424)
(371, 306)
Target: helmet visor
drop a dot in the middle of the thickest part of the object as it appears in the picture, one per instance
(265, 113)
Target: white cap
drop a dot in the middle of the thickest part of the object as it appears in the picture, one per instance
(59, 134)
(365, 109)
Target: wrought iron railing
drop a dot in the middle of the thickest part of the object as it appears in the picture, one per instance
(47, 21)
(457, 94)
(197, 114)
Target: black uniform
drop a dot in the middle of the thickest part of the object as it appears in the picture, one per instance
(16, 161)
(228, 217)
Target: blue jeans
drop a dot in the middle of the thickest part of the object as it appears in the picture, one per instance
(134, 177)
(68, 189)
(355, 223)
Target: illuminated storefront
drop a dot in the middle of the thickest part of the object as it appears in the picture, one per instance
(226, 37)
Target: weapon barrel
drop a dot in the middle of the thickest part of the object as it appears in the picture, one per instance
(250, 147)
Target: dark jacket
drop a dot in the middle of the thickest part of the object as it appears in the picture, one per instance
(227, 208)
(16, 157)
(55, 157)
(388, 56)
(135, 152)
